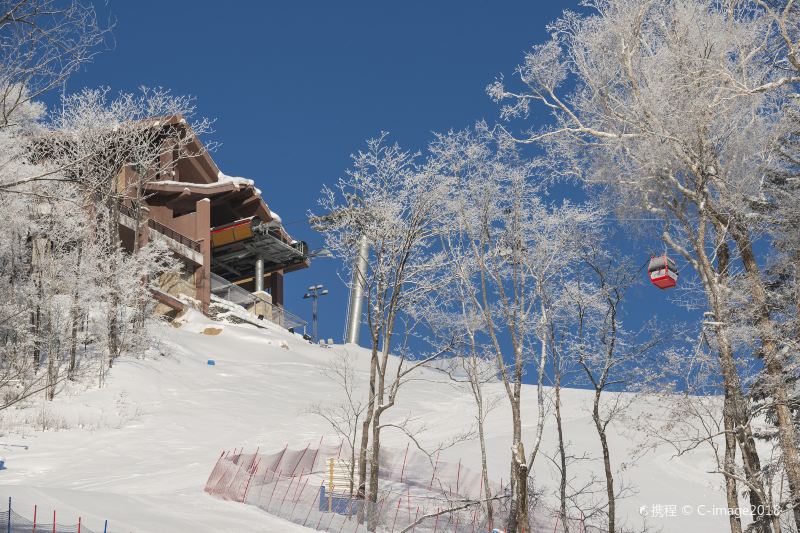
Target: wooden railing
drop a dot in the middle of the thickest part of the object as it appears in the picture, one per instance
(162, 229)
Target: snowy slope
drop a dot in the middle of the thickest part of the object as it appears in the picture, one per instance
(139, 450)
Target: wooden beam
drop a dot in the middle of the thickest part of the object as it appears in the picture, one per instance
(182, 197)
(194, 160)
(225, 198)
(250, 200)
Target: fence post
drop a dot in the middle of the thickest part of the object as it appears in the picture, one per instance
(253, 470)
(277, 480)
(314, 460)
(34, 518)
(105, 527)
(213, 473)
(79, 524)
(399, 500)
(321, 513)
(433, 476)
(300, 497)
(302, 472)
(349, 514)
(255, 456)
(280, 458)
(226, 491)
(313, 504)
(402, 470)
(263, 483)
(289, 486)
(300, 459)
(9, 514)
(380, 508)
(54, 521)
(458, 477)
(330, 485)
(330, 523)
(408, 500)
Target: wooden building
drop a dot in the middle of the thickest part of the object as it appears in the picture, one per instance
(215, 224)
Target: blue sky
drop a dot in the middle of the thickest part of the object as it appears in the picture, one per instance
(296, 87)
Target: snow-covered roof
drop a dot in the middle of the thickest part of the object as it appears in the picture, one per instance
(237, 180)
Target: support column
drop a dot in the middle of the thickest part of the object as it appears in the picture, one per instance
(276, 287)
(357, 292)
(259, 275)
(203, 235)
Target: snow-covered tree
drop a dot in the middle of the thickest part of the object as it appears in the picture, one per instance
(510, 254)
(42, 42)
(392, 201)
(673, 108)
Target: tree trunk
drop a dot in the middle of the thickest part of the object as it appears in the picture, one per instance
(562, 488)
(540, 387)
(518, 515)
(36, 317)
(731, 494)
(475, 381)
(787, 436)
(601, 432)
(373, 520)
(362, 453)
(521, 485)
(113, 328)
(75, 318)
(487, 491)
(114, 304)
(73, 344)
(714, 283)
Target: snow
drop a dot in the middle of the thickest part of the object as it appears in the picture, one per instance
(187, 185)
(239, 181)
(139, 450)
(234, 179)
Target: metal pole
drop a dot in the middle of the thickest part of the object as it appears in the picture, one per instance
(314, 316)
(330, 484)
(9, 514)
(314, 292)
(357, 292)
(259, 275)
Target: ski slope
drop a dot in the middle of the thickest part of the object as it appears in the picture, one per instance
(139, 450)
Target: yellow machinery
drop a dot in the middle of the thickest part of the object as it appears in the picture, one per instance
(233, 232)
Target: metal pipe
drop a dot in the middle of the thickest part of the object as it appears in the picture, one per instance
(314, 317)
(357, 288)
(259, 275)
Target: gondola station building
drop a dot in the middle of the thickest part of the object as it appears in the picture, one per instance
(219, 227)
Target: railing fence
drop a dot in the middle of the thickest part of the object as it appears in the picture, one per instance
(13, 522)
(416, 493)
(233, 293)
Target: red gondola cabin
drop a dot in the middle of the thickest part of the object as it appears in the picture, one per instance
(663, 272)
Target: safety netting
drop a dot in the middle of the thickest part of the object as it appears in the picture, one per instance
(21, 524)
(313, 487)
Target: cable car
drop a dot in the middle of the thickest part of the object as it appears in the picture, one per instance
(663, 272)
